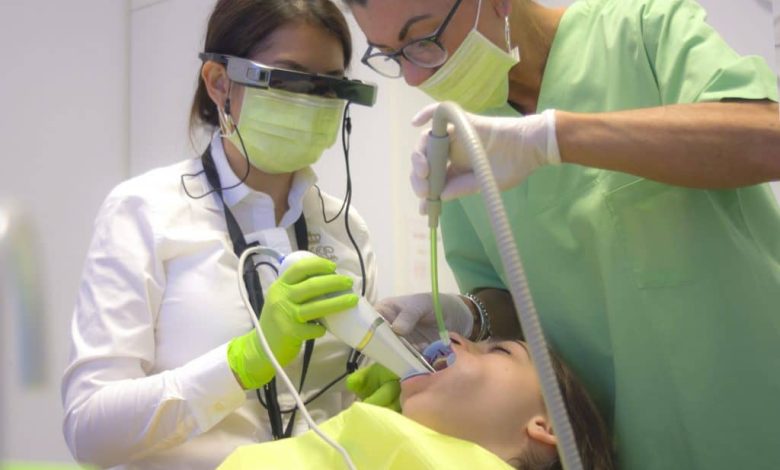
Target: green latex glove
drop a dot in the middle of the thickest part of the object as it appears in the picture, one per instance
(376, 385)
(293, 301)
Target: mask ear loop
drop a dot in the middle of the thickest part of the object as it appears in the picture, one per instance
(226, 127)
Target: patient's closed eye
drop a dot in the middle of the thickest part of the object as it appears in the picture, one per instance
(500, 349)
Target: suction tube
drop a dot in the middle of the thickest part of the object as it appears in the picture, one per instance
(438, 150)
(449, 112)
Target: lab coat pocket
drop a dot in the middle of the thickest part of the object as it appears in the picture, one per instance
(659, 230)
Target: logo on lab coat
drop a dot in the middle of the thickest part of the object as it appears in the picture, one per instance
(323, 251)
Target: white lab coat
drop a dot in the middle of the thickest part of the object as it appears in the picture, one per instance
(148, 384)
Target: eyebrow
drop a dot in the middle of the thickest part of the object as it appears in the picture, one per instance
(405, 28)
(496, 340)
(293, 65)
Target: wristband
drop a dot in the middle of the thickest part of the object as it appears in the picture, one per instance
(484, 320)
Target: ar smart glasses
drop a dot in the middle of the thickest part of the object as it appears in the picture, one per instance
(249, 73)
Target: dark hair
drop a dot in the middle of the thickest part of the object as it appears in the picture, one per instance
(238, 27)
(594, 442)
(349, 3)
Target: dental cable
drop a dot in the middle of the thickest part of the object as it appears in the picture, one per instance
(280, 373)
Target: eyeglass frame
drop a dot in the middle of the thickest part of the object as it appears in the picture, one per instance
(434, 38)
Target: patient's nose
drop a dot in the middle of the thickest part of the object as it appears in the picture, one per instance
(459, 340)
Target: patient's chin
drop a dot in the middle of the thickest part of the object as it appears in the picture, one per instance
(416, 384)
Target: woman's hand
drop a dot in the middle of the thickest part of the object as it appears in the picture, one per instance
(412, 316)
(376, 385)
(293, 304)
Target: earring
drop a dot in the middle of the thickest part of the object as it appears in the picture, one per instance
(515, 52)
(226, 124)
(506, 33)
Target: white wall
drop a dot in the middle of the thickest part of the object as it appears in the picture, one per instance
(63, 128)
(165, 38)
(70, 132)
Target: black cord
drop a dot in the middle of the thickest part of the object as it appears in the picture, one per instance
(322, 205)
(269, 265)
(315, 396)
(322, 390)
(346, 131)
(345, 135)
(246, 158)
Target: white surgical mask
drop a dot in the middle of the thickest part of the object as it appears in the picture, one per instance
(476, 76)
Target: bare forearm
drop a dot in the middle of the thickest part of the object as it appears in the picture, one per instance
(703, 145)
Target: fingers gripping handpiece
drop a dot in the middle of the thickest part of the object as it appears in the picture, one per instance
(366, 331)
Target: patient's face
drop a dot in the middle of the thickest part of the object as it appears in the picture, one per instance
(488, 394)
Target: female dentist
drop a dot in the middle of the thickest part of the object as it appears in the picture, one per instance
(631, 143)
(166, 366)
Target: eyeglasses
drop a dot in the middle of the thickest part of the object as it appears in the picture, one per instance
(426, 52)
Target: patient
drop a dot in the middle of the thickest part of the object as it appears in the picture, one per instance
(483, 411)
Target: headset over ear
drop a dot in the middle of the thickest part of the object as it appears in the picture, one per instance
(226, 122)
(254, 74)
(218, 86)
(227, 98)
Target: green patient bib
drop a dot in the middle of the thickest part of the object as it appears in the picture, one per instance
(664, 300)
(375, 438)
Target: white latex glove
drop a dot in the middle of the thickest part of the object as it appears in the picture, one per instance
(515, 147)
(412, 317)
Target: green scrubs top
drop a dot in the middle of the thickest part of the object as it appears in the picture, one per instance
(375, 439)
(664, 300)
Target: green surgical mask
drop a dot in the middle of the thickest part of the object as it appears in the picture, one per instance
(284, 132)
(476, 76)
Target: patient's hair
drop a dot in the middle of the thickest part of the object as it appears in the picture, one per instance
(594, 443)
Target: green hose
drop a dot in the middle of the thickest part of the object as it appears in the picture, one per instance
(443, 335)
